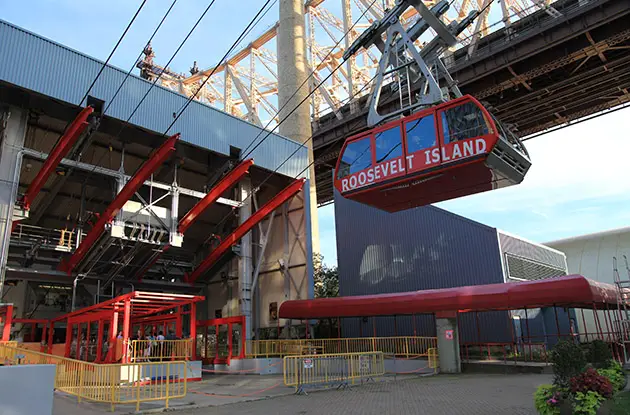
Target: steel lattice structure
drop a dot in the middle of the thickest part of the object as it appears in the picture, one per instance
(246, 85)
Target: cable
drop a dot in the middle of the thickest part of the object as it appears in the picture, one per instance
(126, 122)
(98, 75)
(112, 52)
(301, 85)
(234, 46)
(133, 65)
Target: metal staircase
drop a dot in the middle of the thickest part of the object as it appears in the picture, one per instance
(623, 315)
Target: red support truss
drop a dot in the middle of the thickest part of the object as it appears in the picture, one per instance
(223, 185)
(213, 195)
(62, 148)
(245, 227)
(121, 198)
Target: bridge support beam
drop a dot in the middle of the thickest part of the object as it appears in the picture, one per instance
(293, 89)
(119, 201)
(244, 228)
(448, 342)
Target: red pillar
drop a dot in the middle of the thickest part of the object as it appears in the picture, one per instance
(126, 327)
(178, 323)
(193, 331)
(113, 337)
(8, 321)
(69, 339)
(99, 340)
(243, 341)
(555, 311)
(51, 334)
(44, 329)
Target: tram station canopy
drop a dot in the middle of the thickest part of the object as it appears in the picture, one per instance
(570, 291)
(142, 304)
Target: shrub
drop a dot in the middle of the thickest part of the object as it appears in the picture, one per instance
(546, 400)
(590, 380)
(586, 403)
(568, 361)
(598, 353)
(614, 373)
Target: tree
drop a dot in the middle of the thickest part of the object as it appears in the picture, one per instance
(326, 278)
(326, 281)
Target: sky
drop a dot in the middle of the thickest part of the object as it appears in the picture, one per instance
(577, 184)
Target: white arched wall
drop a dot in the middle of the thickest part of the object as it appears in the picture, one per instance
(592, 256)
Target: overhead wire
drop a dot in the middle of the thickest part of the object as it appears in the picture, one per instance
(302, 145)
(133, 112)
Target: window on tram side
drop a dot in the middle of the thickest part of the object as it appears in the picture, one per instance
(388, 144)
(421, 134)
(357, 156)
(462, 122)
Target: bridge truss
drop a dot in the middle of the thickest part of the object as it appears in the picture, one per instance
(246, 85)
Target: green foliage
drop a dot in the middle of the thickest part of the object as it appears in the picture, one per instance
(568, 361)
(326, 278)
(615, 374)
(597, 353)
(587, 403)
(544, 400)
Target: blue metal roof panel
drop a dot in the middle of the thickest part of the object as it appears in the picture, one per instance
(46, 67)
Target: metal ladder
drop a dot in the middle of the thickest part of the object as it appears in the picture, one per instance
(623, 315)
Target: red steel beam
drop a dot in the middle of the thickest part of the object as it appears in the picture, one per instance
(245, 227)
(68, 139)
(121, 198)
(224, 184)
(213, 195)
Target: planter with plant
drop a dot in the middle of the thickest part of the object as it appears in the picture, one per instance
(586, 379)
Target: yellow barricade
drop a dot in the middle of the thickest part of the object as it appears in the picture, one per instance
(322, 369)
(404, 346)
(160, 350)
(109, 383)
(434, 361)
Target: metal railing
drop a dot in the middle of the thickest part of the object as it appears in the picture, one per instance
(326, 369)
(517, 352)
(434, 360)
(160, 350)
(59, 239)
(408, 346)
(115, 384)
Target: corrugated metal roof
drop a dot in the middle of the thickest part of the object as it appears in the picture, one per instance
(46, 67)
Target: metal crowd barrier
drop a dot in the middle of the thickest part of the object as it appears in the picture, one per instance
(331, 369)
(108, 383)
(434, 361)
(404, 346)
(160, 350)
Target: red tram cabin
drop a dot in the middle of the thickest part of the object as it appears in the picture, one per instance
(448, 151)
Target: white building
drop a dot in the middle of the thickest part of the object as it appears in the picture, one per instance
(592, 256)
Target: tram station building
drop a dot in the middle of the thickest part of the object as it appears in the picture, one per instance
(102, 196)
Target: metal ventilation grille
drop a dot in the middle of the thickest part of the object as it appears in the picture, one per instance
(522, 269)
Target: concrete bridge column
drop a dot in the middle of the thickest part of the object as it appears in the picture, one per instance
(448, 342)
(293, 88)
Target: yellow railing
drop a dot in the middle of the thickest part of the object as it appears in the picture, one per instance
(160, 350)
(109, 383)
(434, 361)
(322, 369)
(409, 346)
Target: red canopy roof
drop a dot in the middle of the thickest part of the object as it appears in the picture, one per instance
(571, 291)
(142, 304)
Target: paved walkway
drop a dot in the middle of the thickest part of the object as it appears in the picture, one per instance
(469, 394)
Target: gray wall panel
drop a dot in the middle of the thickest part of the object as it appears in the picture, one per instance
(418, 249)
(32, 62)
